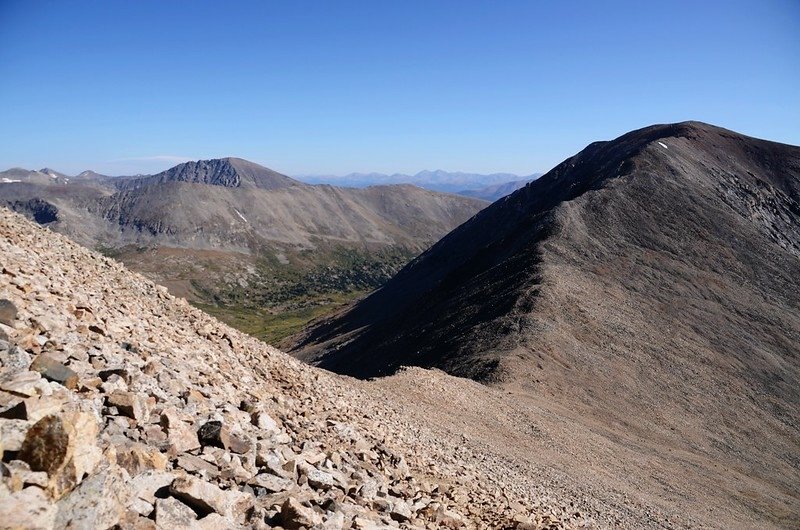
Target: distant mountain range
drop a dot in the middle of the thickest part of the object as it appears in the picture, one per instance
(497, 191)
(233, 233)
(438, 180)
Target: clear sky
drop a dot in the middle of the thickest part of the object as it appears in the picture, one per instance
(332, 87)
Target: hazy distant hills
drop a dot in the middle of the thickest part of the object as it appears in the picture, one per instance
(234, 232)
(497, 191)
(649, 286)
(438, 180)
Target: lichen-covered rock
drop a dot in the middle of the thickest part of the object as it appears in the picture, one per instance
(172, 513)
(12, 433)
(46, 445)
(99, 502)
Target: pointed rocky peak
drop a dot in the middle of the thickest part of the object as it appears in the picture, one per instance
(227, 172)
(53, 173)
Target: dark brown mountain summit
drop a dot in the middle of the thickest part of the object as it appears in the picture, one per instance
(648, 286)
(228, 172)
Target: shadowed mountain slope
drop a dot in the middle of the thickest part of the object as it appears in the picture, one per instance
(496, 191)
(649, 285)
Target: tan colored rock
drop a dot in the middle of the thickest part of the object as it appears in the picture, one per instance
(83, 428)
(98, 502)
(215, 521)
(173, 514)
(264, 421)
(145, 485)
(12, 433)
(21, 476)
(180, 435)
(22, 383)
(207, 497)
(37, 408)
(194, 464)
(28, 509)
(294, 515)
(129, 404)
(136, 458)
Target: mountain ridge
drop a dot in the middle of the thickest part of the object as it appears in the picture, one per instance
(642, 286)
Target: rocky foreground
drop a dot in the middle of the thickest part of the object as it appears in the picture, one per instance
(124, 407)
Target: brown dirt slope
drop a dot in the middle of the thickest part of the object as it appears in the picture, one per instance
(648, 288)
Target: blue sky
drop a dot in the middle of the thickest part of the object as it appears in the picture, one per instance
(333, 87)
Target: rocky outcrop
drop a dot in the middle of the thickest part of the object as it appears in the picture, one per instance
(121, 406)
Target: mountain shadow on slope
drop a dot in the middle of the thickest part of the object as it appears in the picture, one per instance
(478, 301)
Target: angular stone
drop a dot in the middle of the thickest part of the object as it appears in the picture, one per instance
(141, 506)
(195, 464)
(180, 435)
(22, 383)
(53, 370)
(12, 434)
(264, 421)
(294, 515)
(272, 483)
(129, 404)
(320, 479)
(13, 359)
(272, 461)
(46, 445)
(83, 428)
(335, 521)
(20, 476)
(36, 408)
(99, 501)
(210, 433)
(207, 497)
(217, 434)
(215, 521)
(172, 513)
(136, 458)
(400, 511)
(145, 485)
(236, 442)
(29, 508)
(8, 312)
